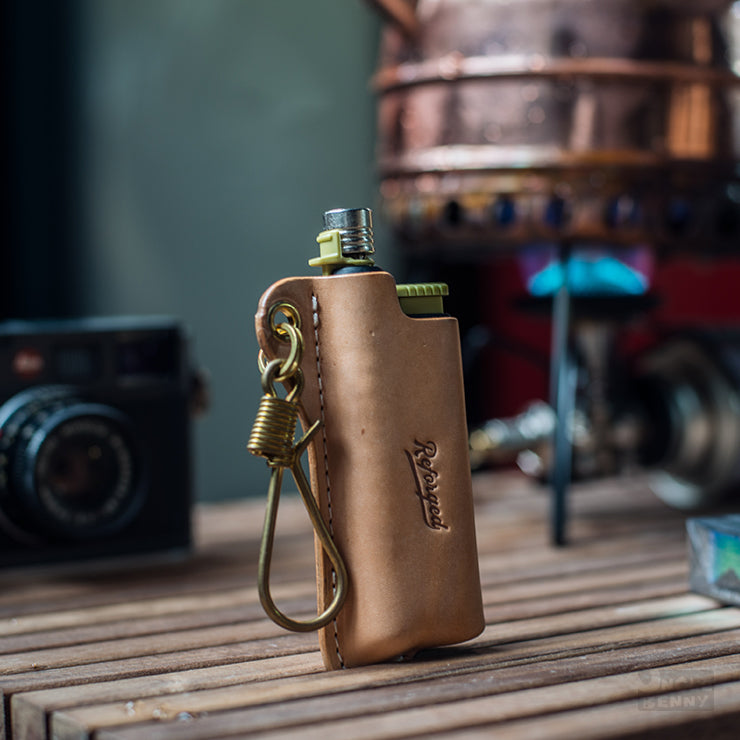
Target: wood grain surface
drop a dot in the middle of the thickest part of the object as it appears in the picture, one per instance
(600, 639)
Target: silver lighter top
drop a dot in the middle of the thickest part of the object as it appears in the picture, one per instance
(356, 230)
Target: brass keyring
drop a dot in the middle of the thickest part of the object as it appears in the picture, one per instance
(289, 311)
(271, 375)
(291, 363)
(273, 438)
(323, 534)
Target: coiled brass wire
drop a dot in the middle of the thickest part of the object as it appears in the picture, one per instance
(272, 438)
(273, 431)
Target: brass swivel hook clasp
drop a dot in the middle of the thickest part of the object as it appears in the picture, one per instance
(272, 437)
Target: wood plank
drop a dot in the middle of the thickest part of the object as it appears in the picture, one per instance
(606, 721)
(495, 613)
(522, 630)
(223, 560)
(26, 595)
(126, 611)
(420, 709)
(261, 628)
(629, 719)
(98, 614)
(492, 674)
(221, 656)
(138, 586)
(143, 647)
(217, 655)
(577, 600)
(29, 711)
(569, 631)
(541, 561)
(119, 620)
(572, 583)
(138, 627)
(524, 661)
(624, 635)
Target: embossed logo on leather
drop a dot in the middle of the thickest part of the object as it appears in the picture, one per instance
(426, 479)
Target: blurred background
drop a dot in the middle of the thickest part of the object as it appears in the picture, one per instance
(175, 157)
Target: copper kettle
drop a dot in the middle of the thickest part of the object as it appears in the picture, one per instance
(507, 122)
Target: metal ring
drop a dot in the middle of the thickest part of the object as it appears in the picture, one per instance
(291, 363)
(269, 375)
(291, 313)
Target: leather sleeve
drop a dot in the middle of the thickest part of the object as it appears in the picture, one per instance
(390, 467)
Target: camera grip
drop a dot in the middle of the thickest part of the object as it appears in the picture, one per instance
(389, 468)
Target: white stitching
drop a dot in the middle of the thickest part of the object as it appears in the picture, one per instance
(315, 307)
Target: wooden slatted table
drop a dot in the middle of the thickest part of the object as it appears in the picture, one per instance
(600, 639)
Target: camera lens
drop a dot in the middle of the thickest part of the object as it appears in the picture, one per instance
(82, 471)
(70, 467)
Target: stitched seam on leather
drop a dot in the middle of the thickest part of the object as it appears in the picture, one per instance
(315, 307)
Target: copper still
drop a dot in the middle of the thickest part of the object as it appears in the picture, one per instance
(508, 122)
(509, 125)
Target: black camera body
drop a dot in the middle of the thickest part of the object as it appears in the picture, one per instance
(94, 439)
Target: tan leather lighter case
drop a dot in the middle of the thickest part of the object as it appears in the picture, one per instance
(389, 468)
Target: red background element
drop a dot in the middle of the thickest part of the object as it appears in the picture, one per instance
(692, 292)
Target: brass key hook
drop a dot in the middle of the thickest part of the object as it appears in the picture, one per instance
(272, 437)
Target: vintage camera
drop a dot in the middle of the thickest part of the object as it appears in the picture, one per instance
(94, 439)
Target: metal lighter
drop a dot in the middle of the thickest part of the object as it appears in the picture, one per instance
(373, 371)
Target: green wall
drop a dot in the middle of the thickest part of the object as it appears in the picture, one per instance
(215, 134)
